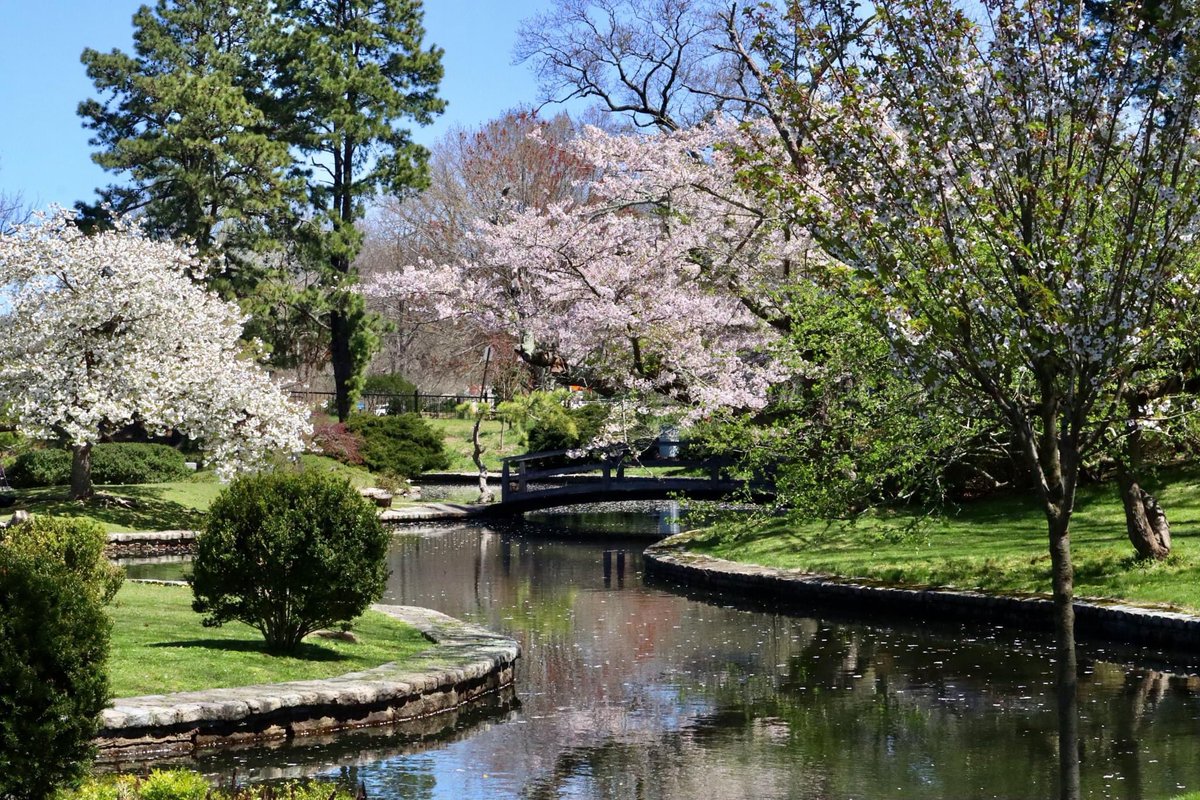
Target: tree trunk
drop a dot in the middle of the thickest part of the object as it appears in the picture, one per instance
(1145, 521)
(81, 472)
(1065, 667)
(340, 330)
(485, 491)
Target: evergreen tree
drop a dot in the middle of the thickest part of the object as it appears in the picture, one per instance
(348, 72)
(248, 124)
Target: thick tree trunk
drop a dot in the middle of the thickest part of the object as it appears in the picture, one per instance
(1065, 658)
(1145, 521)
(340, 331)
(81, 472)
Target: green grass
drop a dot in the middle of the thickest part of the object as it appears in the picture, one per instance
(155, 506)
(457, 433)
(995, 545)
(159, 645)
(152, 506)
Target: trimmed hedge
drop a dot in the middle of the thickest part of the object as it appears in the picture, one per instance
(113, 462)
(401, 444)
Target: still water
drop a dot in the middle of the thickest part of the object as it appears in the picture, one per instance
(630, 688)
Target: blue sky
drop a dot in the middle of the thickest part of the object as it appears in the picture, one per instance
(44, 154)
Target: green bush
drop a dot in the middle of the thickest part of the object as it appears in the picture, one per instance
(75, 543)
(180, 784)
(176, 784)
(49, 467)
(53, 686)
(135, 462)
(561, 428)
(403, 444)
(114, 462)
(388, 384)
(288, 554)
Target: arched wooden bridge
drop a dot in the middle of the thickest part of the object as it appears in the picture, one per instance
(551, 478)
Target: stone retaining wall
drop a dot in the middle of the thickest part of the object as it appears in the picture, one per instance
(138, 544)
(467, 662)
(1113, 621)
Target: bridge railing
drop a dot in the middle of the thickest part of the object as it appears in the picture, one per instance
(518, 472)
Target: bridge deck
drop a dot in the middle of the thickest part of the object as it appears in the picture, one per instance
(528, 482)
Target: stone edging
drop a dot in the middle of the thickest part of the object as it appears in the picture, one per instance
(467, 662)
(1113, 621)
(432, 512)
(150, 543)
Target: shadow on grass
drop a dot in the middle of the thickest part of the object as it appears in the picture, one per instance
(305, 652)
(147, 511)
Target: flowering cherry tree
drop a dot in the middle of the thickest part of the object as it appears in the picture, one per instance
(111, 329)
(659, 279)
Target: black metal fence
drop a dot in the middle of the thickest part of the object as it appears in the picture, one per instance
(433, 404)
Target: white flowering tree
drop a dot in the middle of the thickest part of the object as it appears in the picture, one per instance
(1014, 189)
(111, 329)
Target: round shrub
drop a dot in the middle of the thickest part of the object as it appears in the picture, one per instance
(112, 462)
(53, 685)
(289, 554)
(403, 444)
(76, 544)
(391, 383)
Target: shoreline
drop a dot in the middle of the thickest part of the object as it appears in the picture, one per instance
(1108, 620)
(466, 662)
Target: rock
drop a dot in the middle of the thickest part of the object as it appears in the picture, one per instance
(341, 636)
(18, 518)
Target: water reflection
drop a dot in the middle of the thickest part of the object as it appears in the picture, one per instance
(633, 690)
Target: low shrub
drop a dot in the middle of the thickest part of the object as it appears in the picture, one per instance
(49, 467)
(180, 784)
(334, 439)
(288, 554)
(112, 462)
(74, 543)
(53, 686)
(403, 444)
(136, 462)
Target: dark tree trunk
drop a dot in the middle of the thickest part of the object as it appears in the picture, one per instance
(340, 331)
(1145, 521)
(1066, 679)
(81, 472)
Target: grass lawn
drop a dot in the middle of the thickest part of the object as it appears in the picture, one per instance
(159, 645)
(996, 545)
(154, 506)
(457, 433)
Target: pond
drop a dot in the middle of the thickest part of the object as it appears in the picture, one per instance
(631, 688)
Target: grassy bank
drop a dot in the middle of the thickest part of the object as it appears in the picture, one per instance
(159, 645)
(459, 447)
(995, 545)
